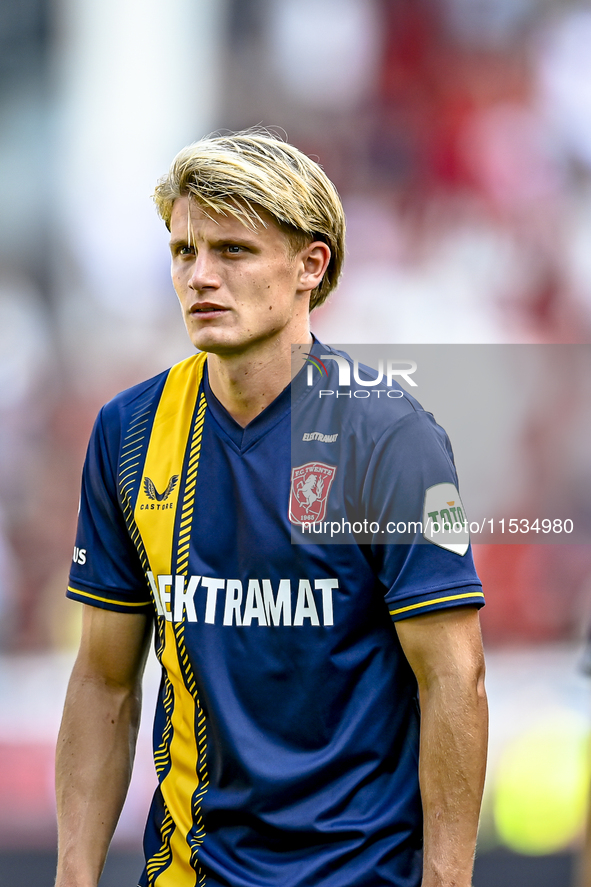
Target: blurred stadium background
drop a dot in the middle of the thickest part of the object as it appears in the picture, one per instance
(459, 135)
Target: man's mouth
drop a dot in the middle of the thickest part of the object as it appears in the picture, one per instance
(204, 308)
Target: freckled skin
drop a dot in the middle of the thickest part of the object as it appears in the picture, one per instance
(229, 265)
(245, 299)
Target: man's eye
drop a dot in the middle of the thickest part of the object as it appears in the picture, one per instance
(186, 251)
(234, 248)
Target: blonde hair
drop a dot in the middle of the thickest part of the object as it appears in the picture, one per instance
(245, 171)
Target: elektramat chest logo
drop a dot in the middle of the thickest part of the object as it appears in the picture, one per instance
(159, 498)
(310, 486)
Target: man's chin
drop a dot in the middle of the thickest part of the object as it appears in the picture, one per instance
(217, 344)
(212, 341)
(226, 343)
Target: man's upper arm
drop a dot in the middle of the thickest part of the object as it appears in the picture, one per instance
(443, 644)
(419, 574)
(114, 646)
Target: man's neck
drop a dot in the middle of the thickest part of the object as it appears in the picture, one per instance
(246, 384)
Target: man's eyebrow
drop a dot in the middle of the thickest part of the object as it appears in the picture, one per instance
(239, 238)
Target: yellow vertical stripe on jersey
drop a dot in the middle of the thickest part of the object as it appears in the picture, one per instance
(181, 781)
(165, 457)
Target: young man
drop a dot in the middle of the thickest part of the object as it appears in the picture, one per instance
(286, 736)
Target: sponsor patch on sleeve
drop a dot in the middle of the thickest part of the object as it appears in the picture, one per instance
(444, 519)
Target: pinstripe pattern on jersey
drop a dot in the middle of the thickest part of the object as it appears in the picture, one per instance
(196, 832)
(132, 452)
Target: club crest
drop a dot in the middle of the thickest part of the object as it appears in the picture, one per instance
(310, 486)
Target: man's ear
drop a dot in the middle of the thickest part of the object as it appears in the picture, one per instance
(314, 261)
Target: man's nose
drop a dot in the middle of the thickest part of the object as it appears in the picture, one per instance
(203, 271)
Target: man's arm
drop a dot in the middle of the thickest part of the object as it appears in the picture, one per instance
(444, 650)
(96, 743)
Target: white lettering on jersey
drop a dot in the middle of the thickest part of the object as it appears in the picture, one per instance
(185, 599)
(327, 586)
(274, 607)
(233, 602)
(79, 556)
(213, 586)
(164, 583)
(254, 607)
(317, 435)
(177, 599)
(305, 606)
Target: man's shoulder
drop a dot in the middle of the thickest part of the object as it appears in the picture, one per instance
(138, 396)
(365, 398)
(142, 396)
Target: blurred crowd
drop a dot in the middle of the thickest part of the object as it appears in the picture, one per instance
(459, 135)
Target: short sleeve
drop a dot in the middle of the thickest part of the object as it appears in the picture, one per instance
(411, 465)
(106, 570)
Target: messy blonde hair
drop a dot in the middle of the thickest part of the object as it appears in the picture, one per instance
(247, 171)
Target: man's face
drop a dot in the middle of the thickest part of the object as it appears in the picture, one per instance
(237, 287)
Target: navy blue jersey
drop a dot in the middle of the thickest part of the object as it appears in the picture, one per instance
(286, 731)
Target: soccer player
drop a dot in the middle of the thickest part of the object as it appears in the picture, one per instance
(321, 718)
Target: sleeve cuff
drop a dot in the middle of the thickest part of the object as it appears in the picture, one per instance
(107, 599)
(440, 600)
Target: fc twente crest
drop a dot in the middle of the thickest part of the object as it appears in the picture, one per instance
(310, 486)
